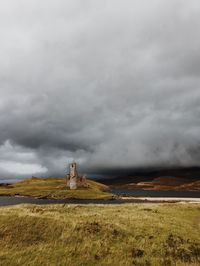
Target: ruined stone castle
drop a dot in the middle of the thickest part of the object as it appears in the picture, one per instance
(73, 179)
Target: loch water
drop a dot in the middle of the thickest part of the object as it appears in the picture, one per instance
(155, 193)
(12, 200)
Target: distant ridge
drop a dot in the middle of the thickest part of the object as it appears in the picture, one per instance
(179, 178)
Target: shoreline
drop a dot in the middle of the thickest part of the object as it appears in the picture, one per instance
(16, 200)
(164, 199)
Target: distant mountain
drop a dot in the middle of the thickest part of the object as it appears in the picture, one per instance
(170, 181)
(159, 179)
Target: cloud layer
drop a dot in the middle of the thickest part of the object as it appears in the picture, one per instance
(111, 84)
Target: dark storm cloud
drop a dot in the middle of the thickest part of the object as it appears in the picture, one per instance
(111, 84)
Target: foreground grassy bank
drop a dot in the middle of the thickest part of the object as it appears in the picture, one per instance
(55, 188)
(129, 234)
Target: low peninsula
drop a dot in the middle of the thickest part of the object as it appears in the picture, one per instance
(55, 188)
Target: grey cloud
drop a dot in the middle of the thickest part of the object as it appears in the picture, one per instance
(111, 84)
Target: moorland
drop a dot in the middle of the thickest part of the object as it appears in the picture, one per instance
(77, 235)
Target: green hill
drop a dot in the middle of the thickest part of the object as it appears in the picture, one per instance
(55, 188)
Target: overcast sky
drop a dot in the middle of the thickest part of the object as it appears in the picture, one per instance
(112, 84)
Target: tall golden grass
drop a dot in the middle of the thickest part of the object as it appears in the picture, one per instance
(128, 234)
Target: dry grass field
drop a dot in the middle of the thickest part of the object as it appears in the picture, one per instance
(78, 235)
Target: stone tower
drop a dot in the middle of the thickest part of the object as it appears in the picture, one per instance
(73, 175)
(72, 170)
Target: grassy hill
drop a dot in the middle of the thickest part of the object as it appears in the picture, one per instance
(80, 235)
(55, 188)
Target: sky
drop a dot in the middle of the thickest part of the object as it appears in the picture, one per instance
(111, 84)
